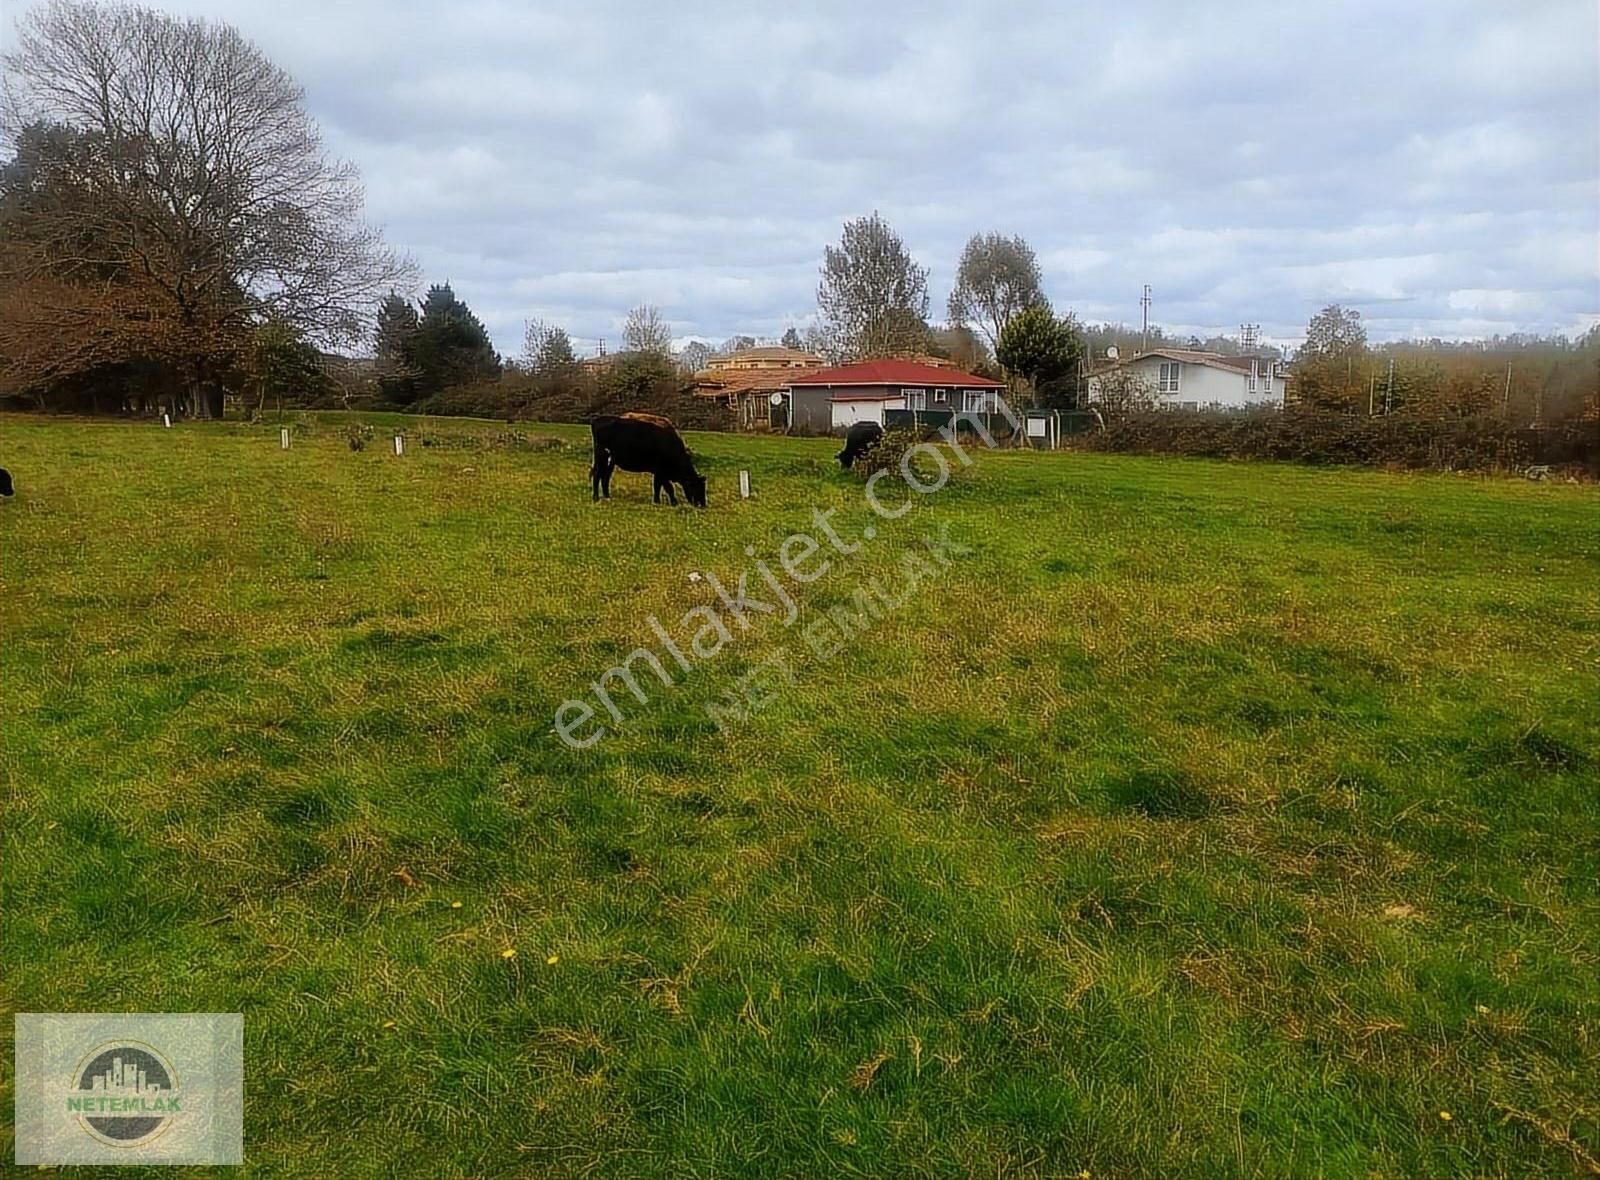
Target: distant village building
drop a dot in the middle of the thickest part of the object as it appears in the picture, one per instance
(838, 398)
(765, 357)
(1185, 378)
(746, 380)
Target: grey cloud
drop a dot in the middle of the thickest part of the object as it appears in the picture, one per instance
(1435, 165)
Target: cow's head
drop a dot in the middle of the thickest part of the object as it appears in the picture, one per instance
(694, 487)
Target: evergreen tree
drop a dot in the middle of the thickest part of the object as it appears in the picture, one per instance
(452, 345)
(1047, 351)
(791, 338)
(396, 350)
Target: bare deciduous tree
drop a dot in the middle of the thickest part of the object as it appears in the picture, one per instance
(996, 278)
(214, 204)
(694, 356)
(873, 297)
(646, 330)
(547, 349)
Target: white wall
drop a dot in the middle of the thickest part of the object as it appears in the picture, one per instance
(847, 414)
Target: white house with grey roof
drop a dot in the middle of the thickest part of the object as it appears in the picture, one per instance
(1184, 378)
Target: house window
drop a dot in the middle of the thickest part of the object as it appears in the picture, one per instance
(1270, 367)
(974, 400)
(916, 399)
(1169, 377)
(1251, 384)
(941, 396)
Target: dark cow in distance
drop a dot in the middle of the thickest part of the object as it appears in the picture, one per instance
(644, 442)
(6, 486)
(858, 440)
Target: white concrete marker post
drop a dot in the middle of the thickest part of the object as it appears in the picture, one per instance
(399, 445)
(166, 420)
(283, 437)
(744, 485)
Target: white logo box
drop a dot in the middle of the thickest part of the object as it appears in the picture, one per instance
(129, 1088)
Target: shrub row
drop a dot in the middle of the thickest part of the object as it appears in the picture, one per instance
(1482, 443)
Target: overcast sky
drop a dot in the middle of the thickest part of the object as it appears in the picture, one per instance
(1435, 165)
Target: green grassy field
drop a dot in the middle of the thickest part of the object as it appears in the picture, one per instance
(1204, 819)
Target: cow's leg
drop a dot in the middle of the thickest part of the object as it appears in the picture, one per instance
(655, 492)
(605, 477)
(671, 498)
(595, 474)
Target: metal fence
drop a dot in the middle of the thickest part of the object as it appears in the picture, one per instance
(997, 425)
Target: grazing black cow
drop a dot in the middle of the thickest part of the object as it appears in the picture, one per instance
(6, 488)
(858, 440)
(644, 442)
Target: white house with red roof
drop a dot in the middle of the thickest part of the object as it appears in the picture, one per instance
(836, 399)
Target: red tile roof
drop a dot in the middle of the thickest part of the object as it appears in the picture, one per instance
(892, 372)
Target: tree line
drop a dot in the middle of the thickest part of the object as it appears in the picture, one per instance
(172, 229)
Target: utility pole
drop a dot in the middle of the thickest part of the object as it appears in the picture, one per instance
(1388, 393)
(1372, 388)
(1248, 335)
(1505, 402)
(1144, 302)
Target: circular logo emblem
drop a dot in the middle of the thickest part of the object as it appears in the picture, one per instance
(130, 1093)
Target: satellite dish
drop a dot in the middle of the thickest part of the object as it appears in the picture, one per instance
(776, 399)
(1111, 353)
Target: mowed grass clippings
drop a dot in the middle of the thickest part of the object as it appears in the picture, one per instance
(1204, 819)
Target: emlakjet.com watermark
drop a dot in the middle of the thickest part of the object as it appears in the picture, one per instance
(129, 1088)
(760, 594)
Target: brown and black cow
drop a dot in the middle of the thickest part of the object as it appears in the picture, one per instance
(644, 442)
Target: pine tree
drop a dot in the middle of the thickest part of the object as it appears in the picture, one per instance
(1047, 351)
(452, 345)
(396, 349)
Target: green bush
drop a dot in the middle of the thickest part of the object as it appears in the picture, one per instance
(889, 451)
(1480, 443)
(884, 455)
